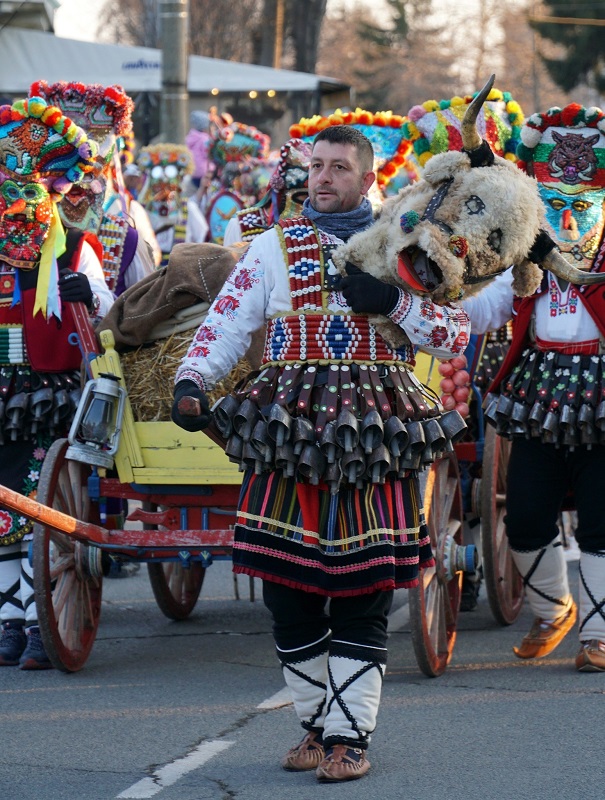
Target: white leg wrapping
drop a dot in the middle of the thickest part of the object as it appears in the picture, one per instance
(545, 578)
(27, 586)
(354, 688)
(10, 583)
(592, 596)
(305, 671)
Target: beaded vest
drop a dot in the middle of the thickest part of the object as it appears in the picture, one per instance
(332, 403)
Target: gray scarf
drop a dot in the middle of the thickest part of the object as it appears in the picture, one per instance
(342, 225)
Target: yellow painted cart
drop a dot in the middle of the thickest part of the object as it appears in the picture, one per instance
(187, 491)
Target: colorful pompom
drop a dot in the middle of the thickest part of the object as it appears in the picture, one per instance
(409, 220)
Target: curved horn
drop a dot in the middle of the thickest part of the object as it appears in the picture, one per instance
(558, 265)
(470, 135)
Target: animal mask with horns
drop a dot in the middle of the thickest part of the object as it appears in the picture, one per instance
(471, 217)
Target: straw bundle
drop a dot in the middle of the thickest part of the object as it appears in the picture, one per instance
(149, 376)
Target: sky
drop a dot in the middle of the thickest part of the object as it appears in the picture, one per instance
(77, 19)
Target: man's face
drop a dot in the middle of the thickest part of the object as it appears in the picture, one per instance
(336, 180)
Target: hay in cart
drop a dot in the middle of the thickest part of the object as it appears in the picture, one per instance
(149, 376)
(153, 324)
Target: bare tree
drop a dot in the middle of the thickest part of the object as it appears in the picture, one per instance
(217, 28)
(393, 65)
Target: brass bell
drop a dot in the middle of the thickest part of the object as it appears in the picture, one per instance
(311, 464)
(303, 432)
(347, 430)
(245, 419)
(234, 448)
(286, 460)
(379, 464)
(372, 431)
(262, 442)
(328, 444)
(453, 425)
(279, 424)
(223, 412)
(353, 465)
(395, 436)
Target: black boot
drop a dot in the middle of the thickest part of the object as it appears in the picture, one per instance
(12, 642)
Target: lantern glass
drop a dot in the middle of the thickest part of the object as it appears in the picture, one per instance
(99, 423)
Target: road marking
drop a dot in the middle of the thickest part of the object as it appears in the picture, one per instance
(171, 773)
(279, 699)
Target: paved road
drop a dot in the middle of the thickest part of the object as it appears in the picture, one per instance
(196, 711)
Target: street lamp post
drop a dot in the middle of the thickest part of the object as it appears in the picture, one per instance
(174, 19)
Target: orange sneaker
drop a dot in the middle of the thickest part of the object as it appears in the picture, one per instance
(306, 755)
(343, 763)
(541, 641)
(591, 657)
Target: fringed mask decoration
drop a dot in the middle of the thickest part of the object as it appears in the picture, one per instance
(42, 153)
(164, 167)
(105, 113)
(564, 149)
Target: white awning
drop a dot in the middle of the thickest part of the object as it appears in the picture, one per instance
(27, 56)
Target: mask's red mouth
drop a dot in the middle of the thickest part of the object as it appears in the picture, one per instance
(413, 263)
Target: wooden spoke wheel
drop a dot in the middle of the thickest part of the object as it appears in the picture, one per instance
(176, 588)
(434, 604)
(503, 583)
(68, 576)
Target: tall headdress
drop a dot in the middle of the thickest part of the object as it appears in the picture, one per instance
(42, 154)
(288, 183)
(564, 149)
(435, 126)
(105, 113)
(234, 142)
(383, 128)
(164, 166)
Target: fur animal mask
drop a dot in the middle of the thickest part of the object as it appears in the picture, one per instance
(471, 217)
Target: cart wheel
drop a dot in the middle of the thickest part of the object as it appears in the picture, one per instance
(435, 602)
(68, 576)
(176, 588)
(503, 583)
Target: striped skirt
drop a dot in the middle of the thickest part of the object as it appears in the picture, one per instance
(354, 542)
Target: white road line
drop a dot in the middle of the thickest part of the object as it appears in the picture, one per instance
(170, 773)
(279, 699)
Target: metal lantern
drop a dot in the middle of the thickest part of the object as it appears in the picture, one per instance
(94, 435)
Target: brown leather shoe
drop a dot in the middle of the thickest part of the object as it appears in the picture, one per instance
(343, 763)
(542, 641)
(306, 755)
(591, 657)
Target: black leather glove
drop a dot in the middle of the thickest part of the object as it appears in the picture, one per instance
(74, 287)
(192, 421)
(541, 247)
(366, 294)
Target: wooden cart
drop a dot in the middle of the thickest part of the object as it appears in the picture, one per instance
(188, 491)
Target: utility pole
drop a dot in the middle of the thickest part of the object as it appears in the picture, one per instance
(174, 108)
(279, 34)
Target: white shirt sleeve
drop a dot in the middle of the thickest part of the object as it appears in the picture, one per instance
(233, 232)
(197, 226)
(237, 312)
(141, 264)
(90, 265)
(145, 230)
(492, 307)
(440, 331)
